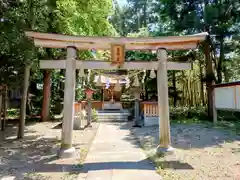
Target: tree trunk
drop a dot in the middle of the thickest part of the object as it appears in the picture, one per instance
(61, 84)
(209, 78)
(138, 21)
(5, 99)
(23, 102)
(46, 96)
(77, 84)
(226, 74)
(189, 86)
(183, 95)
(145, 14)
(201, 84)
(145, 86)
(1, 102)
(174, 89)
(195, 93)
(221, 59)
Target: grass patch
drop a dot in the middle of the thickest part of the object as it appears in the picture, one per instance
(35, 176)
(71, 176)
(187, 121)
(94, 115)
(161, 165)
(157, 159)
(83, 153)
(226, 125)
(79, 166)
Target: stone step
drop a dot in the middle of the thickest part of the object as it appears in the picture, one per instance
(113, 115)
(112, 118)
(112, 112)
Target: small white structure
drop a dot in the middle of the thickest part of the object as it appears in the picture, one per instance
(151, 113)
(226, 97)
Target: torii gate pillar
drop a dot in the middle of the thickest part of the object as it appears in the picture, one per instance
(67, 150)
(163, 103)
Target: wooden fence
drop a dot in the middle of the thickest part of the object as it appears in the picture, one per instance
(150, 109)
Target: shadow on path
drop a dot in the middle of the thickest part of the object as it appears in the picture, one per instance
(175, 165)
(43, 168)
(37, 151)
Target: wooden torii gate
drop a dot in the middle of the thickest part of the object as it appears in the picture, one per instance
(74, 43)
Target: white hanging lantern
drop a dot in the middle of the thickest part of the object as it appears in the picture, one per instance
(81, 73)
(89, 75)
(99, 81)
(117, 86)
(144, 75)
(127, 82)
(152, 74)
(136, 81)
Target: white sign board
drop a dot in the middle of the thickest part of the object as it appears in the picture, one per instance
(238, 97)
(227, 97)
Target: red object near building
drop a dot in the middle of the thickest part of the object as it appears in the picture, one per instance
(89, 92)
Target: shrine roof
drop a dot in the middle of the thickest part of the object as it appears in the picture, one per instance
(236, 83)
(104, 43)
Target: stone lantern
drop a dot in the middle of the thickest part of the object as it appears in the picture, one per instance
(136, 92)
(89, 93)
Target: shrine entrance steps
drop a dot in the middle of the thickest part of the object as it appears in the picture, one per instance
(113, 115)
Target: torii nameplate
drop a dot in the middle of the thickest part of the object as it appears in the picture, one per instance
(117, 54)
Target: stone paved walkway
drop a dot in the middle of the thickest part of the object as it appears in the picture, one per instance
(115, 155)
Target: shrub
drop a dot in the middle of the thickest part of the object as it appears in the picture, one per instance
(94, 115)
(13, 112)
(178, 113)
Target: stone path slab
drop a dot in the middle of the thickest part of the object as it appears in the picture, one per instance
(115, 155)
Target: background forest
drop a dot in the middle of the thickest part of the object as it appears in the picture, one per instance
(134, 18)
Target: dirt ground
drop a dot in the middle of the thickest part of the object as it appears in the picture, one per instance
(34, 157)
(201, 152)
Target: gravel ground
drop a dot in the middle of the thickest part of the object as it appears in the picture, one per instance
(201, 153)
(34, 157)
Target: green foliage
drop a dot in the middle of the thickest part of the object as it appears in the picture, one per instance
(193, 113)
(74, 17)
(84, 17)
(80, 94)
(218, 18)
(12, 113)
(137, 14)
(94, 115)
(228, 116)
